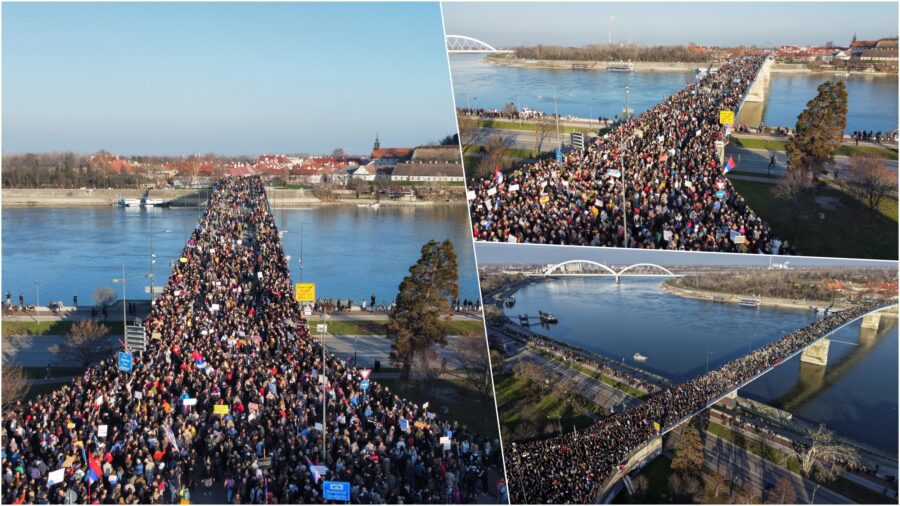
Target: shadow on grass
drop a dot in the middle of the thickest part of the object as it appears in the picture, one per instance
(838, 232)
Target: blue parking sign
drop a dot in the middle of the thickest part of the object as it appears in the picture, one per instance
(124, 361)
(364, 384)
(336, 490)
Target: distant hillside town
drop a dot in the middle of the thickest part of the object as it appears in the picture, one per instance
(426, 164)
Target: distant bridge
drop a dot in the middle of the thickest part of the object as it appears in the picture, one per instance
(636, 270)
(463, 44)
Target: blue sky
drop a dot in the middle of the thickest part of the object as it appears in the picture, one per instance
(707, 23)
(230, 78)
(499, 253)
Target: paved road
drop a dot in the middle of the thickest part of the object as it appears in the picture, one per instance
(757, 161)
(600, 393)
(34, 351)
(740, 466)
(520, 139)
(371, 348)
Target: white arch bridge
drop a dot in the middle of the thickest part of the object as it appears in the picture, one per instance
(463, 44)
(603, 270)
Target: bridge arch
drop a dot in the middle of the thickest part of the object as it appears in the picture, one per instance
(464, 44)
(651, 266)
(559, 265)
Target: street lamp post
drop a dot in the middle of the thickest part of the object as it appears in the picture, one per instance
(37, 295)
(556, 113)
(153, 257)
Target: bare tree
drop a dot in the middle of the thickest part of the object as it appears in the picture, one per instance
(474, 366)
(782, 493)
(468, 131)
(870, 181)
(103, 295)
(689, 455)
(495, 156)
(792, 188)
(85, 343)
(14, 385)
(824, 459)
(338, 153)
(542, 128)
(717, 484)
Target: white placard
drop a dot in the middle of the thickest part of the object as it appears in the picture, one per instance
(189, 402)
(470, 195)
(492, 191)
(446, 442)
(102, 430)
(513, 187)
(55, 477)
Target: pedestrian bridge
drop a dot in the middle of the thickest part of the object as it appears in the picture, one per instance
(589, 268)
(642, 454)
(463, 44)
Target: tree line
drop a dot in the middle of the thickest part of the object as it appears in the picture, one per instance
(614, 52)
(796, 285)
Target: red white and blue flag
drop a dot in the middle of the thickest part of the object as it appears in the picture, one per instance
(729, 166)
(94, 471)
(498, 175)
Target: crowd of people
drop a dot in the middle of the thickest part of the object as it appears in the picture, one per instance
(876, 137)
(572, 468)
(676, 195)
(226, 403)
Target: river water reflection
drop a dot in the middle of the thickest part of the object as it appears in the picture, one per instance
(872, 100)
(855, 395)
(347, 251)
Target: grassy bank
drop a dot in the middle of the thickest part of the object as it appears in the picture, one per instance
(379, 327)
(844, 150)
(452, 400)
(618, 385)
(530, 127)
(528, 410)
(55, 328)
(836, 235)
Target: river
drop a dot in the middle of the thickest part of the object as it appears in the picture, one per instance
(856, 396)
(872, 100)
(347, 251)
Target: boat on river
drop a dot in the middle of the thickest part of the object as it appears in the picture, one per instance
(620, 66)
(749, 302)
(639, 358)
(547, 317)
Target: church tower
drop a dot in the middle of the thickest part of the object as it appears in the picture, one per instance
(377, 144)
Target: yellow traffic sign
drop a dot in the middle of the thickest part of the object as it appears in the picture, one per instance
(305, 292)
(726, 117)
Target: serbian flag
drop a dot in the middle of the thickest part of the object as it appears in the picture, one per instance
(94, 471)
(498, 175)
(729, 166)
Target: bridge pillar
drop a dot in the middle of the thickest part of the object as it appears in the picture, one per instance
(817, 353)
(871, 321)
(617, 279)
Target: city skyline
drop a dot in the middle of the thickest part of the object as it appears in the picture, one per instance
(767, 24)
(231, 79)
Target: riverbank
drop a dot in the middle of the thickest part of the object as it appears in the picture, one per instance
(778, 68)
(28, 197)
(593, 65)
(734, 298)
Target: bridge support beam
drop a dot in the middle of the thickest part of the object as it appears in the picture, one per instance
(817, 353)
(871, 321)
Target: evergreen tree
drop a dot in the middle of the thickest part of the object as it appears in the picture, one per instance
(819, 131)
(419, 319)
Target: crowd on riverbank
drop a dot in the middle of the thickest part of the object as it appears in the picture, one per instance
(228, 399)
(676, 195)
(571, 468)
